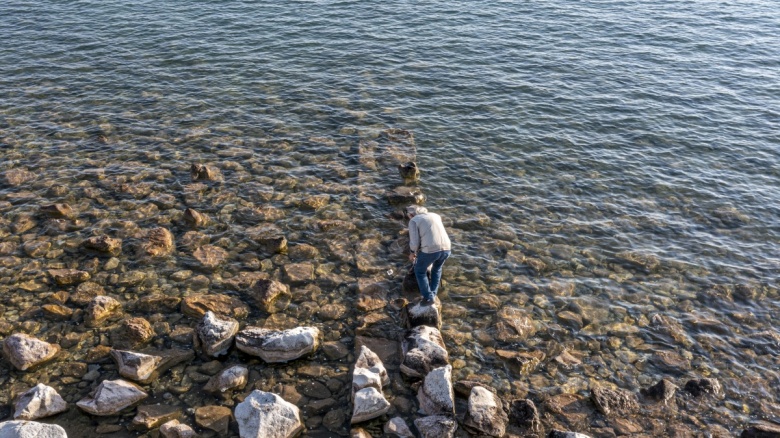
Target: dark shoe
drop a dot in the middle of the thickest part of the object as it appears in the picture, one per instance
(425, 302)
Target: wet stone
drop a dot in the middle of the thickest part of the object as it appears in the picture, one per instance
(423, 350)
(158, 243)
(663, 391)
(215, 334)
(111, 397)
(299, 273)
(196, 306)
(100, 309)
(436, 426)
(566, 434)
(230, 379)
(700, 387)
(332, 312)
(36, 248)
(670, 361)
(513, 325)
(103, 245)
(216, 418)
(614, 401)
(194, 218)
(158, 303)
(203, 172)
(85, 292)
(314, 389)
(335, 350)
(67, 277)
(152, 416)
(524, 414)
(132, 333)
(18, 176)
(136, 366)
(271, 296)
(762, 430)
(405, 196)
(57, 312)
(58, 211)
(174, 429)
(210, 256)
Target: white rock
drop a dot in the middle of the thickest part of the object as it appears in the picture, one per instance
(26, 351)
(418, 314)
(38, 402)
(368, 403)
(485, 415)
(436, 426)
(266, 415)
(278, 346)
(368, 360)
(216, 334)
(397, 427)
(136, 366)
(436, 396)
(174, 429)
(363, 378)
(566, 434)
(423, 350)
(30, 429)
(112, 396)
(228, 379)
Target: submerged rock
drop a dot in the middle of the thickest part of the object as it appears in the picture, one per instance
(216, 418)
(132, 333)
(368, 403)
(266, 415)
(203, 172)
(195, 218)
(100, 309)
(405, 196)
(25, 351)
(436, 426)
(30, 429)
(699, 387)
(103, 244)
(229, 379)
(485, 414)
(136, 366)
(158, 243)
(196, 306)
(40, 401)
(409, 171)
(111, 397)
(661, 391)
(513, 325)
(67, 277)
(216, 334)
(210, 256)
(278, 345)
(152, 416)
(614, 401)
(762, 430)
(436, 396)
(271, 296)
(58, 211)
(423, 350)
(524, 414)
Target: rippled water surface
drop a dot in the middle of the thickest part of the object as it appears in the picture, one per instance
(610, 168)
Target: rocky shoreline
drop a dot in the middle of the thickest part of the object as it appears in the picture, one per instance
(105, 334)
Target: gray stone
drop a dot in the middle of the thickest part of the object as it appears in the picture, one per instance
(39, 402)
(100, 309)
(30, 429)
(485, 414)
(416, 314)
(368, 403)
(266, 415)
(278, 346)
(233, 378)
(25, 351)
(436, 396)
(174, 429)
(110, 397)
(423, 350)
(397, 428)
(136, 366)
(613, 401)
(436, 426)
(216, 334)
(663, 391)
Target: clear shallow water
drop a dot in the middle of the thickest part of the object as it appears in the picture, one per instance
(581, 130)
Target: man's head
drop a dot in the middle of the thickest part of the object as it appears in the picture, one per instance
(414, 210)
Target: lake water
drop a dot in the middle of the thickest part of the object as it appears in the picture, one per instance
(616, 161)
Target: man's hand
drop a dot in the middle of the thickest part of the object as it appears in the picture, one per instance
(412, 256)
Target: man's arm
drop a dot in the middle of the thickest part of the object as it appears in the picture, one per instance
(414, 237)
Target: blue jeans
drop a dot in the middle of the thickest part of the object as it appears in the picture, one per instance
(421, 265)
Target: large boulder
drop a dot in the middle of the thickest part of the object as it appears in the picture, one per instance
(436, 396)
(111, 396)
(229, 379)
(368, 403)
(266, 415)
(30, 429)
(25, 351)
(38, 402)
(436, 426)
(136, 366)
(423, 350)
(485, 414)
(271, 295)
(278, 345)
(215, 334)
(417, 314)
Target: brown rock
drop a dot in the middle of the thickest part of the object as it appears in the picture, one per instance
(372, 294)
(100, 309)
(269, 238)
(210, 256)
(36, 248)
(25, 352)
(197, 305)
(85, 292)
(132, 333)
(405, 195)
(670, 361)
(761, 429)
(271, 296)
(67, 277)
(158, 303)
(303, 251)
(216, 418)
(332, 312)
(298, 273)
(571, 408)
(152, 416)
(57, 312)
(158, 243)
(58, 211)
(315, 202)
(202, 172)
(614, 401)
(522, 363)
(194, 218)
(18, 176)
(513, 325)
(103, 244)
(194, 239)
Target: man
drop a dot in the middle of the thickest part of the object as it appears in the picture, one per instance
(430, 248)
